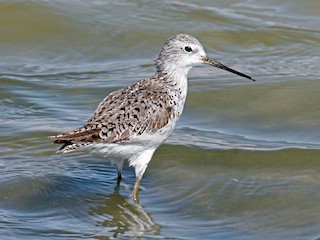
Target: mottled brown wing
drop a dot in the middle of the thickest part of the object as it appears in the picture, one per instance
(125, 113)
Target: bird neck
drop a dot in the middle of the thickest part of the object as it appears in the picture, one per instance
(172, 68)
(173, 73)
(176, 80)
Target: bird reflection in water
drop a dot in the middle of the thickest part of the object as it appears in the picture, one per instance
(120, 218)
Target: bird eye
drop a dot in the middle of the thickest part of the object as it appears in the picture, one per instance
(188, 49)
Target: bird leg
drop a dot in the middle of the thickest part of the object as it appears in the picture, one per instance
(140, 163)
(119, 177)
(135, 190)
(119, 165)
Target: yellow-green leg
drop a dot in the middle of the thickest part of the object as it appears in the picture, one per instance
(140, 164)
(135, 190)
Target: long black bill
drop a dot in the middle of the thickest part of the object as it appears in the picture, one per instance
(217, 64)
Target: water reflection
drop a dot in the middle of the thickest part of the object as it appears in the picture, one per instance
(117, 216)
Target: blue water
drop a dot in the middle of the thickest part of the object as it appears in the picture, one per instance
(243, 161)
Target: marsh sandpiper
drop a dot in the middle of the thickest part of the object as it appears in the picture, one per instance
(131, 123)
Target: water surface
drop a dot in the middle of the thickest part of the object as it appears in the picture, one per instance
(243, 161)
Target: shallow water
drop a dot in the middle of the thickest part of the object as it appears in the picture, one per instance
(243, 161)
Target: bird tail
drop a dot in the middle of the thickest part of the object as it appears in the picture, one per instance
(70, 144)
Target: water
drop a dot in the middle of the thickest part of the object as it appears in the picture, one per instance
(243, 162)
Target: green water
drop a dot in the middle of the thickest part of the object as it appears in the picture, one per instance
(243, 161)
